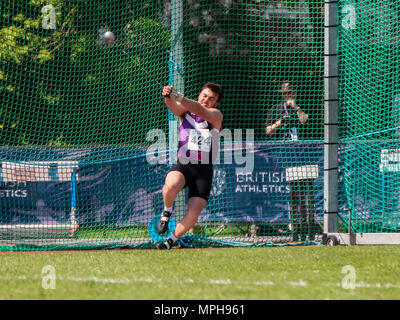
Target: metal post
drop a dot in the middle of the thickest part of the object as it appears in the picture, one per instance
(176, 79)
(73, 198)
(331, 99)
(175, 66)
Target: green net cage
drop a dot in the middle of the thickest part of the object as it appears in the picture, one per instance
(369, 52)
(86, 139)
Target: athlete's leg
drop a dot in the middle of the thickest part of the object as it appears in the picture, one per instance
(199, 191)
(195, 207)
(174, 182)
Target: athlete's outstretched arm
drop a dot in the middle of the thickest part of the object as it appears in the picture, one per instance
(211, 115)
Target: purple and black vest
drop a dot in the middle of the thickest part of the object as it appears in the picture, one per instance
(198, 141)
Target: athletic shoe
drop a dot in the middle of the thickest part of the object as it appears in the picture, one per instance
(165, 245)
(162, 225)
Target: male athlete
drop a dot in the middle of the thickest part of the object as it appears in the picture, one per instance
(200, 122)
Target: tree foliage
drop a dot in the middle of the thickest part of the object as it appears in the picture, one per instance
(57, 86)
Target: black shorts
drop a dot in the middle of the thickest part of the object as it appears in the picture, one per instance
(198, 177)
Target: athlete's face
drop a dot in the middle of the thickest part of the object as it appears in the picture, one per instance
(207, 98)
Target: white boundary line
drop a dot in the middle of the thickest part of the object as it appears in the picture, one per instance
(220, 282)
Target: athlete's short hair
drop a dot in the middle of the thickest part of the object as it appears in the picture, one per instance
(216, 88)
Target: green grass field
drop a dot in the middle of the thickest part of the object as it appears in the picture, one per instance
(314, 272)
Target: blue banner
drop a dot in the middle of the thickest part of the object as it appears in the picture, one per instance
(128, 192)
(263, 194)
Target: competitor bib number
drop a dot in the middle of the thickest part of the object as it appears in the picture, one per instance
(199, 140)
